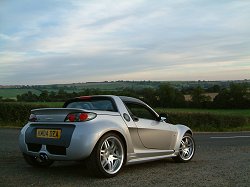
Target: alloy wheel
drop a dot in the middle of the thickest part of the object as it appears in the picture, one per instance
(111, 155)
(186, 150)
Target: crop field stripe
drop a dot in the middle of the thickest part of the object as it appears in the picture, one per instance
(229, 137)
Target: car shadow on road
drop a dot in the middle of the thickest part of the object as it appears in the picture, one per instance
(79, 170)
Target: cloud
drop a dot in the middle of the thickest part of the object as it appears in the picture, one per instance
(132, 40)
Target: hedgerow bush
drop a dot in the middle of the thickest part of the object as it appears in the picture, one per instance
(208, 122)
(16, 114)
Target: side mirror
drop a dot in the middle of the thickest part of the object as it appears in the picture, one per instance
(162, 117)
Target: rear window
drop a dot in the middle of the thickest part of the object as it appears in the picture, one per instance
(104, 104)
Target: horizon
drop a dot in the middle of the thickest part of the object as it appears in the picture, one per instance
(117, 81)
(66, 42)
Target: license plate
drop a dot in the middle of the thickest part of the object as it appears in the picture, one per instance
(48, 133)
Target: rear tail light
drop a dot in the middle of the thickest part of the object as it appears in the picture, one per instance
(80, 117)
(32, 118)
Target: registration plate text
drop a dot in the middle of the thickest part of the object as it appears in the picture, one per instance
(48, 133)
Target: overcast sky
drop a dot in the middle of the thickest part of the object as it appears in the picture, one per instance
(63, 41)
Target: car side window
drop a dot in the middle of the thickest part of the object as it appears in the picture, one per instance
(140, 111)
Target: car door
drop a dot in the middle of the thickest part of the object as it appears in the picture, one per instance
(153, 133)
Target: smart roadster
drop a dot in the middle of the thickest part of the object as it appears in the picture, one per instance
(105, 131)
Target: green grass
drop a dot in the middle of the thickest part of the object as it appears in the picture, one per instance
(234, 112)
(11, 93)
(49, 104)
(211, 120)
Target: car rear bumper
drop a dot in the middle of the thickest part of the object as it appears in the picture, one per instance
(76, 142)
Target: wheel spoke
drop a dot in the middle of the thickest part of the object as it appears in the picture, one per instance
(102, 152)
(113, 148)
(106, 144)
(110, 165)
(104, 163)
(117, 156)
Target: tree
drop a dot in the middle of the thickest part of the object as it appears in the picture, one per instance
(149, 96)
(237, 96)
(170, 97)
(44, 96)
(222, 100)
(199, 100)
(29, 97)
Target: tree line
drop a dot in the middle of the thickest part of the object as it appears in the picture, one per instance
(237, 95)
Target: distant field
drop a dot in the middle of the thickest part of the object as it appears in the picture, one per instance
(49, 104)
(104, 86)
(235, 112)
(13, 92)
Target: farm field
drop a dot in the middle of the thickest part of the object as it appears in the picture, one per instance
(47, 104)
(11, 93)
(77, 87)
(234, 112)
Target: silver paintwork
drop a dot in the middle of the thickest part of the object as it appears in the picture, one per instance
(144, 140)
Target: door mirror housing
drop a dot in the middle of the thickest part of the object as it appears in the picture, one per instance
(162, 117)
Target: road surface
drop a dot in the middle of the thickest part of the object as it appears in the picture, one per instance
(221, 159)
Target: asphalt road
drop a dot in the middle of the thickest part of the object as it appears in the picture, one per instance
(221, 159)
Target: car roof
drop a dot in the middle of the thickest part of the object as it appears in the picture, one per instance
(131, 100)
(125, 99)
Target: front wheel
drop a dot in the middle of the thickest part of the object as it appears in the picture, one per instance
(37, 161)
(186, 149)
(107, 158)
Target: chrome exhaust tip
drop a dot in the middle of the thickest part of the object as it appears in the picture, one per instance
(43, 156)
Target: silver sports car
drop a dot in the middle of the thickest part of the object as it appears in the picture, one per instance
(106, 131)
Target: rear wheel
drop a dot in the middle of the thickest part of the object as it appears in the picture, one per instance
(186, 149)
(37, 161)
(107, 158)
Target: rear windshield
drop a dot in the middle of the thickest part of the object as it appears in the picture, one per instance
(104, 104)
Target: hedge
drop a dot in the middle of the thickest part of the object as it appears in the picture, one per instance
(208, 122)
(16, 114)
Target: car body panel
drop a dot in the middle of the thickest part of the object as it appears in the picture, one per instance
(155, 134)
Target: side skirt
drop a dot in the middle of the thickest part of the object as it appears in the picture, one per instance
(149, 155)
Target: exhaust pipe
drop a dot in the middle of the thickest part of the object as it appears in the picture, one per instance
(43, 157)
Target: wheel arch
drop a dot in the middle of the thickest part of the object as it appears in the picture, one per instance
(182, 129)
(189, 132)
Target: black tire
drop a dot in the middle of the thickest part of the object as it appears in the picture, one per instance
(107, 158)
(186, 149)
(37, 162)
